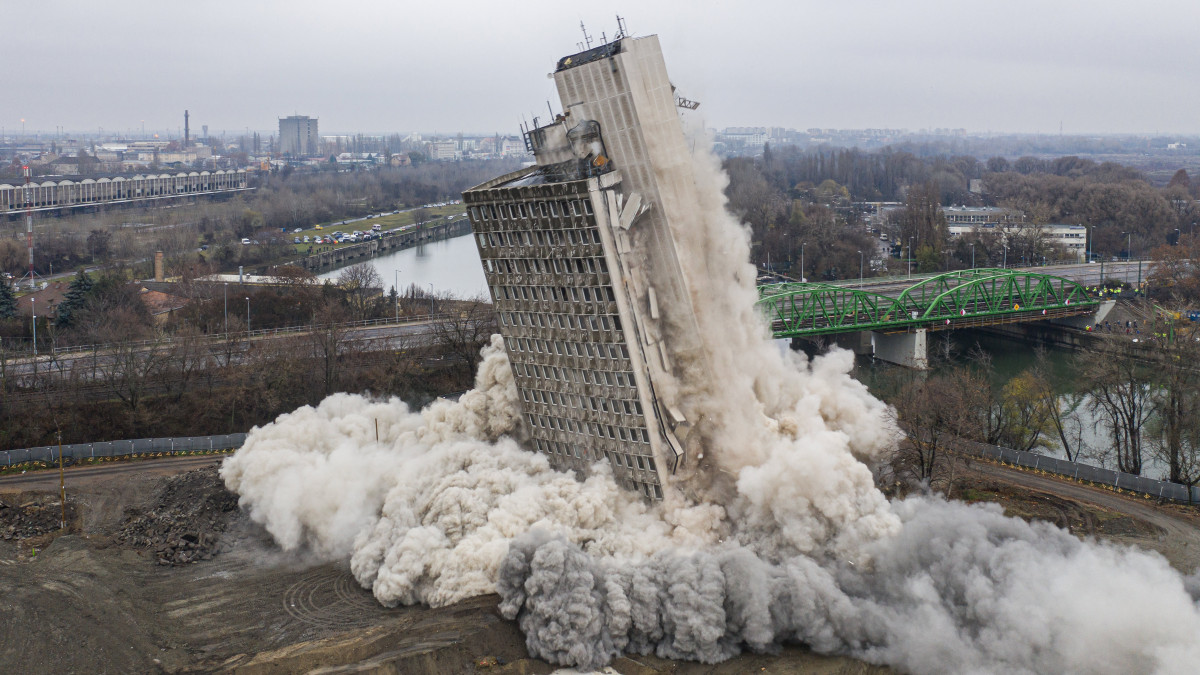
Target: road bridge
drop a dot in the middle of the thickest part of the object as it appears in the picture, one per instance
(891, 317)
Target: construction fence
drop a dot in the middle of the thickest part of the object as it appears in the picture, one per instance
(74, 452)
(1084, 472)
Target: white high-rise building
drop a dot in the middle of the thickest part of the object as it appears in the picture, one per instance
(582, 266)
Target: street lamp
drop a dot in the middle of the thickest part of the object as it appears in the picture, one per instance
(860, 268)
(247, 317)
(430, 298)
(396, 288)
(972, 255)
(1089, 243)
(802, 244)
(1005, 263)
(226, 309)
(33, 311)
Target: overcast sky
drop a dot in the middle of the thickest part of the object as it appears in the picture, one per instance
(450, 65)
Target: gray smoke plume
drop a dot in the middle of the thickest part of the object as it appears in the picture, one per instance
(959, 589)
(797, 545)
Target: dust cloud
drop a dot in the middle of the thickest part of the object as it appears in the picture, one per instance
(795, 545)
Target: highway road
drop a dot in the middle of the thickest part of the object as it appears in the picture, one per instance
(1087, 274)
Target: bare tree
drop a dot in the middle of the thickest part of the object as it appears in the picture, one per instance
(361, 283)
(1174, 433)
(936, 412)
(463, 329)
(328, 342)
(1120, 391)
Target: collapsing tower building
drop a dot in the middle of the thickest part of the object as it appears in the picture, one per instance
(580, 256)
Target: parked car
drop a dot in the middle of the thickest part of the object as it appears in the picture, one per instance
(245, 242)
(296, 240)
(377, 227)
(297, 230)
(306, 238)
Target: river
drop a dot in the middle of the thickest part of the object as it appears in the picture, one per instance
(451, 265)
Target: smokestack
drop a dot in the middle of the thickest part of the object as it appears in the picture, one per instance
(186, 130)
(159, 274)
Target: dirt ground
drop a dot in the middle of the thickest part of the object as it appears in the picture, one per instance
(160, 574)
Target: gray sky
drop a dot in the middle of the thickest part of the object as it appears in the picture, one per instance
(1011, 65)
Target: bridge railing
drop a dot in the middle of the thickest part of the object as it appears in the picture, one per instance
(49, 454)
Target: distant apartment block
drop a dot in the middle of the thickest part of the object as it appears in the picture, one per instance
(443, 150)
(298, 136)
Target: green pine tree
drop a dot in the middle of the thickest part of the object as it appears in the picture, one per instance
(8, 301)
(73, 300)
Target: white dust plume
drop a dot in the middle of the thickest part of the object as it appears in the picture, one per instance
(796, 546)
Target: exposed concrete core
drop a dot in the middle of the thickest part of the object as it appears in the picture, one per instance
(902, 349)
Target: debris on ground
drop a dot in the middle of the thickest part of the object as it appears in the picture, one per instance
(22, 518)
(183, 523)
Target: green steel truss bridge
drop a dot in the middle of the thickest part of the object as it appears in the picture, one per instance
(962, 299)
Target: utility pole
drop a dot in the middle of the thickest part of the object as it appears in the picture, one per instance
(860, 268)
(802, 277)
(396, 288)
(62, 484)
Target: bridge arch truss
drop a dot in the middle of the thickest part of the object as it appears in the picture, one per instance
(957, 299)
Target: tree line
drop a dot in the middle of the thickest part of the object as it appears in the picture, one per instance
(1138, 401)
(776, 195)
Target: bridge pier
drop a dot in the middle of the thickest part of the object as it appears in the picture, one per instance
(902, 349)
(859, 343)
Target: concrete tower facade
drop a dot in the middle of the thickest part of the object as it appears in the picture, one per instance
(580, 257)
(298, 136)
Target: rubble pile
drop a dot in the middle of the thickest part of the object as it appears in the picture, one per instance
(25, 519)
(184, 521)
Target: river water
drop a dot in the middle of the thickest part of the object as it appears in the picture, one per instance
(451, 265)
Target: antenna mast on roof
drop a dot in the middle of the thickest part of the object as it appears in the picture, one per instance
(621, 32)
(587, 39)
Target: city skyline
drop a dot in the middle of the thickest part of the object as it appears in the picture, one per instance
(1021, 68)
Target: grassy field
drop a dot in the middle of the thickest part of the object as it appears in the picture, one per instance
(390, 221)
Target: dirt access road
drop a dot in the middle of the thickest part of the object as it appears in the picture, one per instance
(97, 601)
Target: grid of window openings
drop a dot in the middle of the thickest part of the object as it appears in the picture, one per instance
(552, 290)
